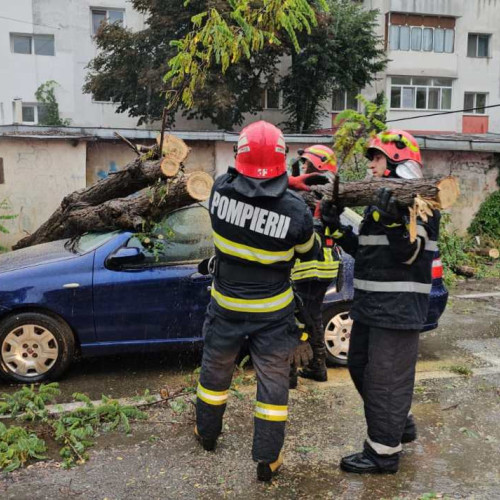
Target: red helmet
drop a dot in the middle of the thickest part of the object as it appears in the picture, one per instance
(397, 145)
(322, 157)
(261, 151)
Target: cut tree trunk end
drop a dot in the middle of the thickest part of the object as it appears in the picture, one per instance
(492, 253)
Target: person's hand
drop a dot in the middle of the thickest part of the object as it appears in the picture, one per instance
(302, 182)
(388, 206)
(330, 214)
(302, 354)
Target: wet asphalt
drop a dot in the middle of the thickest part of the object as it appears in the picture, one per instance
(457, 454)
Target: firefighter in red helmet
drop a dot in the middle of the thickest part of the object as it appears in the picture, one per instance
(392, 282)
(259, 227)
(312, 278)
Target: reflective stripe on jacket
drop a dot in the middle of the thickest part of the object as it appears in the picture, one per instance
(259, 233)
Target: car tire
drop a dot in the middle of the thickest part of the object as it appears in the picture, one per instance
(337, 325)
(34, 347)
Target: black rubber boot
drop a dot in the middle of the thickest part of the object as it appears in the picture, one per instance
(410, 430)
(316, 369)
(207, 444)
(360, 463)
(266, 471)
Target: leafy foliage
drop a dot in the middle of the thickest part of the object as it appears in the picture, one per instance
(45, 94)
(229, 31)
(341, 52)
(17, 446)
(130, 66)
(487, 220)
(74, 430)
(4, 206)
(29, 400)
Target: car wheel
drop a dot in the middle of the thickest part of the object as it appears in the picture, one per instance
(338, 326)
(34, 347)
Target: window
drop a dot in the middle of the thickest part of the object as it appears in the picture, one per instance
(32, 114)
(104, 16)
(417, 92)
(474, 102)
(40, 45)
(478, 45)
(187, 238)
(271, 99)
(419, 38)
(343, 99)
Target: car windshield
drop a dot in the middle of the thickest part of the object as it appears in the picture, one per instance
(89, 241)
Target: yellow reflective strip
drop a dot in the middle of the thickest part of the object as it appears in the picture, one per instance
(315, 274)
(315, 264)
(305, 247)
(337, 234)
(269, 304)
(275, 413)
(269, 406)
(251, 253)
(215, 398)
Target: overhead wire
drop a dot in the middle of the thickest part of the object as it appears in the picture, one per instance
(443, 113)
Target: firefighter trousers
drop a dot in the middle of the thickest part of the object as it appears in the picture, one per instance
(382, 364)
(312, 294)
(271, 344)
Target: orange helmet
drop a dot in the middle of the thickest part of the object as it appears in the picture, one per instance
(397, 145)
(322, 157)
(261, 151)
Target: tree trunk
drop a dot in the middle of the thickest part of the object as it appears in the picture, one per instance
(492, 253)
(362, 193)
(102, 204)
(133, 213)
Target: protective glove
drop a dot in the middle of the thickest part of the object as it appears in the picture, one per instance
(330, 215)
(207, 266)
(388, 207)
(302, 182)
(302, 354)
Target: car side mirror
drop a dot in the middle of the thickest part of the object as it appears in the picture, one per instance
(124, 256)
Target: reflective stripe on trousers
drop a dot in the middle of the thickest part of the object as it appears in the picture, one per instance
(264, 305)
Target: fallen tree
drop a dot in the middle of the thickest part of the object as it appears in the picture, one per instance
(107, 205)
(361, 193)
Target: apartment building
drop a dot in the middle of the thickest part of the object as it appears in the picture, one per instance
(444, 56)
(43, 40)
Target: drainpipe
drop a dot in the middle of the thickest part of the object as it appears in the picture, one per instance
(18, 111)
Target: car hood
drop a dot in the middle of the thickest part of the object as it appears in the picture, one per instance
(35, 255)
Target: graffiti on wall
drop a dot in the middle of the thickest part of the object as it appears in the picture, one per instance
(102, 174)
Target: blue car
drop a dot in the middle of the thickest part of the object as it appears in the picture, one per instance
(116, 292)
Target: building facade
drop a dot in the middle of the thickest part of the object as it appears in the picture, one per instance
(444, 56)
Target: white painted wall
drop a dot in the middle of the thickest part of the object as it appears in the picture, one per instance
(38, 174)
(470, 74)
(70, 23)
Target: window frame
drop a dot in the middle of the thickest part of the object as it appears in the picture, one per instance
(107, 10)
(35, 106)
(32, 37)
(150, 260)
(415, 88)
(410, 28)
(474, 103)
(478, 35)
(265, 100)
(347, 95)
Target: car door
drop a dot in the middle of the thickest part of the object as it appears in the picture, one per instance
(162, 298)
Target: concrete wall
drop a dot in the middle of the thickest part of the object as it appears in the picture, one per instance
(476, 173)
(38, 174)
